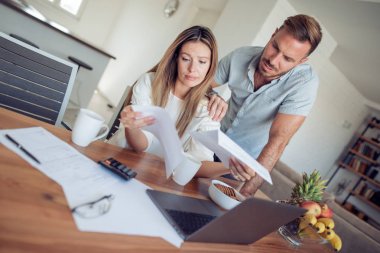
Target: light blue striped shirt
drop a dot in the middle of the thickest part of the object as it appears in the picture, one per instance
(251, 113)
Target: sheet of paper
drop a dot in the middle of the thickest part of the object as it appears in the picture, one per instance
(83, 181)
(165, 131)
(224, 148)
(132, 212)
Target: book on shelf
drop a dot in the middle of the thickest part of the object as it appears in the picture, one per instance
(348, 206)
(356, 147)
(364, 167)
(372, 173)
(376, 198)
(360, 188)
(367, 150)
(361, 215)
(368, 193)
(359, 165)
(347, 160)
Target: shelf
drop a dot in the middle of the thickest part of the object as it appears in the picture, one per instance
(369, 141)
(374, 182)
(375, 125)
(363, 156)
(363, 199)
(362, 164)
(353, 210)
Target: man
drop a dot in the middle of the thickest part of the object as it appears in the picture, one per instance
(272, 92)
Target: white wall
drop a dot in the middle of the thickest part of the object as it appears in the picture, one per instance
(93, 26)
(140, 38)
(239, 22)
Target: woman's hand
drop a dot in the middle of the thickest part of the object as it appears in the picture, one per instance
(133, 120)
(240, 171)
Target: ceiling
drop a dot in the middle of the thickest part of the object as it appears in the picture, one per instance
(355, 25)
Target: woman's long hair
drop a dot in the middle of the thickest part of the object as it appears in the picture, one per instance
(166, 75)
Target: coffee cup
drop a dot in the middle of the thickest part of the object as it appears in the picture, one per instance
(185, 171)
(88, 127)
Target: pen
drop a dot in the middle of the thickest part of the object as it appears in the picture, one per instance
(22, 148)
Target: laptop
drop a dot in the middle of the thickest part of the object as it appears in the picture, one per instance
(199, 220)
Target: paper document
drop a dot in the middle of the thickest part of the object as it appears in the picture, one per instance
(84, 181)
(224, 148)
(164, 130)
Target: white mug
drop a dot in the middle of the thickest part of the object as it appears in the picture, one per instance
(185, 171)
(87, 127)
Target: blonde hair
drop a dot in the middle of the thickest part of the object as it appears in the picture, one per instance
(166, 75)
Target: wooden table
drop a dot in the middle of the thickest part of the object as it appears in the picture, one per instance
(35, 217)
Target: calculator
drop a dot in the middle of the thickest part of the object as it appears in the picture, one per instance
(118, 168)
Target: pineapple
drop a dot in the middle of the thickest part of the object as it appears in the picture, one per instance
(308, 195)
(311, 188)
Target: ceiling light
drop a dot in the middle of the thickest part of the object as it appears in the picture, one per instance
(170, 8)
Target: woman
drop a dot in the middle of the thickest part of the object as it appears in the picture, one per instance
(179, 83)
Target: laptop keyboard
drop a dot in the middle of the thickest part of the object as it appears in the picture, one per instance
(189, 222)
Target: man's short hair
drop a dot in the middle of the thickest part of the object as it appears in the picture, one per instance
(304, 28)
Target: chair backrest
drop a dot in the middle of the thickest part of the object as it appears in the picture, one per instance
(115, 120)
(33, 82)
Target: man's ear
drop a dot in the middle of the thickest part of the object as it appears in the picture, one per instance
(304, 60)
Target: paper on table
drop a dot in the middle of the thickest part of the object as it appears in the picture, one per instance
(224, 148)
(164, 130)
(59, 160)
(83, 180)
(132, 212)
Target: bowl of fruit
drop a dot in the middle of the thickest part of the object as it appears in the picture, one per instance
(317, 224)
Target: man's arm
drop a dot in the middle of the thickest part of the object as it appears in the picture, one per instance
(284, 126)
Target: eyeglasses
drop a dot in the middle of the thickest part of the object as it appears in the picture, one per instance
(95, 208)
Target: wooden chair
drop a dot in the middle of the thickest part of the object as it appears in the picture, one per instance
(33, 82)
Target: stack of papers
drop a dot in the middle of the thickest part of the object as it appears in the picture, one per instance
(83, 180)
(164, 130)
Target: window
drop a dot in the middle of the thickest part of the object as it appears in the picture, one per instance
(73, 7)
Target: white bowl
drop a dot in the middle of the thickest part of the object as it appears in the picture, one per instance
(222, 199)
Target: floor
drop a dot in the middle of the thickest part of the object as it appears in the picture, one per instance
(98, 104)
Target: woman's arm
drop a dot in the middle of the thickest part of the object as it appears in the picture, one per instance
(212, 169)
(132, 122)
(199, 152)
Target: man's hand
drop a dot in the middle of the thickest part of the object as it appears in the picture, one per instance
(244, 173)
(217, 107)
(240, 170)
(250, 187)
(284, 126)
